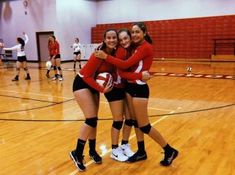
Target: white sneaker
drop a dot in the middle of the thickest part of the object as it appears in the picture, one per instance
(54, 78)
(126, 149)
(117, 154)
(60, 78)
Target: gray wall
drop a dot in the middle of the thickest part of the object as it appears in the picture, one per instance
(74, 18)
(67, 18)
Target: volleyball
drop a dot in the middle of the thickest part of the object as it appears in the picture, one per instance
(1, 44)
(104, 79)
(48, 65)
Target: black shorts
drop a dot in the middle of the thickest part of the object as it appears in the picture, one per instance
(57, 56)
(115, 94)
(21, 58)
(77, 53)
(78, 84)
(137, 90)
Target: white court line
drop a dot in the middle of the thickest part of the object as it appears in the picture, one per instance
(38, 94)
(131, 137)
(157, 109)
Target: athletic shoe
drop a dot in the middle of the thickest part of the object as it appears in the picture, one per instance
(28, 78)
(15, 79)
(54, 78)
(95, 157)
(78, 161)
(137, 157)
(127, 150)
(169, 157)
(60, 78)
(117, 154)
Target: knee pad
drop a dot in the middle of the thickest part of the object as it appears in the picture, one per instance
(25, 68)
(117, 125)
(54, 67)
(146, 129)
(128, 122)
(91, 122)
(59, 68)
(134, 123)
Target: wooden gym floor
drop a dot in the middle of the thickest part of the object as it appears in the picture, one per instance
(39, 122)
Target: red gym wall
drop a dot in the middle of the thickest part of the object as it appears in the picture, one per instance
(190, 38)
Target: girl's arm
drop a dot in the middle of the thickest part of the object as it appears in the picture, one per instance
(89, 71)
(140, 53)
(26, 38)
(12, 48)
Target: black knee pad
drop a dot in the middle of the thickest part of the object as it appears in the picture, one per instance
(128, 122)
(25, 68)
(146, 129)
(134, 123)
(54, 67)
(117, 125)
(59, 68)
(91, 122)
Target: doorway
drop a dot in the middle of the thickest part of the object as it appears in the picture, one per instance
(42, 45)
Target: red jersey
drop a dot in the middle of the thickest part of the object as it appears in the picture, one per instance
(141, 60)
(92, 68)
(54, 48)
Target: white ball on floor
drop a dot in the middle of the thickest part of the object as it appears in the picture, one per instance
(48, 65)
(189, 69)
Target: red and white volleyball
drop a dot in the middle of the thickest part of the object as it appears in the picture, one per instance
(104, 79)
(1, 44)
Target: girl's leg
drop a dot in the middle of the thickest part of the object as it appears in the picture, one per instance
(58, 65)
(18, 65)
(26, 70)
(92, 138)
(117, 113)
(143, 122)
(141, 153)
(79, 61)
(87, 103)
(74, 62)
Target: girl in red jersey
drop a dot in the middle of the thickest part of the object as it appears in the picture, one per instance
(86, 91)
(54, 52)
(124, 37)
(141, 60)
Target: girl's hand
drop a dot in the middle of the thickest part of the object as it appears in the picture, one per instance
(100, 54)
(146, 76)
(108, 87)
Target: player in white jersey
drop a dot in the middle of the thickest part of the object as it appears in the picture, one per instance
(21, 56)
(77, 53)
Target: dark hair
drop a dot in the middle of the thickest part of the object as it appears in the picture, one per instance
(53, 36)
(125, 30)
(103, 46)
(21, 41)
(131, 47)
(77, 39)
(143, 27)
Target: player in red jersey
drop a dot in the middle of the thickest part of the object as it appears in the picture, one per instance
(86, 91)
(123, 152)
(141, 60)
(54, 52)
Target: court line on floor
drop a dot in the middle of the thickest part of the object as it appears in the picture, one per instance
(24, 98)
(130, 138)
(38, 94)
